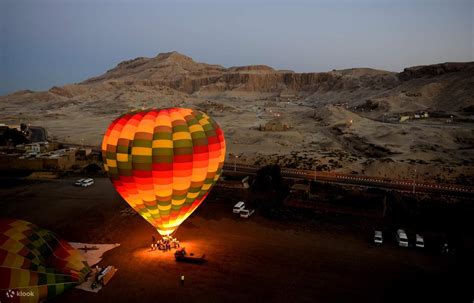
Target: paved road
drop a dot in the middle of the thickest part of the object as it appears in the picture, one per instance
(402, 185)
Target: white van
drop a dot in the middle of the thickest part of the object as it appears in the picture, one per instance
(87, 182)
(402, 238)
(238, 207)
(378, 238)
(245, 213)
(79, 182)
(419, 241)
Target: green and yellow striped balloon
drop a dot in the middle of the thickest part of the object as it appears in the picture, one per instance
(164, 162)
(36, 262)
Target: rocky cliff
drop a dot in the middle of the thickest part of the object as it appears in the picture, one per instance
(173, 72)
(181, 73)
(436, 70)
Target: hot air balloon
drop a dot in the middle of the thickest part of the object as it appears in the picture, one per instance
(35, 262)
(164, 162)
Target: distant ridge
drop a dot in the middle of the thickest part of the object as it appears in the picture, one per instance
(173, 71)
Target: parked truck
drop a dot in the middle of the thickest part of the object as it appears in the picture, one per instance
(182, 256)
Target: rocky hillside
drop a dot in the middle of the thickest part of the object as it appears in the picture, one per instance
(182, 73)
(447, 86)
(424, 71)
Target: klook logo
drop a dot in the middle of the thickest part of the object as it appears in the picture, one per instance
(19, 293)
(10, 293)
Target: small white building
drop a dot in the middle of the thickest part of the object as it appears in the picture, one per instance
(404, 118)
(37, 147)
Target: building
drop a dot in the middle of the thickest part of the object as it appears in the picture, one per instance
(420, 115)
(275, 125)
(61, 159)
(404, 118)
(36, 147)
(288, 94)
(83, 153)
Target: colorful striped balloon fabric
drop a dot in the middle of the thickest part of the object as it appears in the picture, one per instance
(164, 162)
(35, 264)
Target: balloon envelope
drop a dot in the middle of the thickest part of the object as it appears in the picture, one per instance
(163, 162)
(37, 262)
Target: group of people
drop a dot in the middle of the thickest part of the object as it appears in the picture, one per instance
(166, 243)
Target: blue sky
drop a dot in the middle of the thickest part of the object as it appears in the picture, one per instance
(54, 42)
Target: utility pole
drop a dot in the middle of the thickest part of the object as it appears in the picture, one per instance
(313, 180)
(414, 181)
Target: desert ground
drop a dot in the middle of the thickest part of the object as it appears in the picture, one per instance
(251, 260)
(342, 120)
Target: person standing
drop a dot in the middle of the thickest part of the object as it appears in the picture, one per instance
(153, 242)
(182, 280)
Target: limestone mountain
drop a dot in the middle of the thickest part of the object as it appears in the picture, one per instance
(422, 87)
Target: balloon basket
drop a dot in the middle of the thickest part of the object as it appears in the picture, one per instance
(165, 244)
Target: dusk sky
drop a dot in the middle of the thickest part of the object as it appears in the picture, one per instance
(47, 43)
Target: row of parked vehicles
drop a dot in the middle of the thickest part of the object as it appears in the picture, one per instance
(84, 182)
(401, 237)
(239, 208)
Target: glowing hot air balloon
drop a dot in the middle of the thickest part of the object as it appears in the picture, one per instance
(163, 162)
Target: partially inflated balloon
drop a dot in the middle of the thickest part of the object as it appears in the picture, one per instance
(163, 162)
(37, 262)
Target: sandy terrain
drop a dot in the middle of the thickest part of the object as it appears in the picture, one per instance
(318, 107)
(251, 260)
